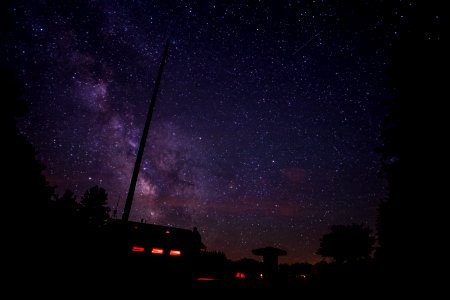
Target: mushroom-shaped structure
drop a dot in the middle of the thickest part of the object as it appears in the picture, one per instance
(270, 259)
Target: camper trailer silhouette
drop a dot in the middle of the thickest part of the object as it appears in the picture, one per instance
(142, 239)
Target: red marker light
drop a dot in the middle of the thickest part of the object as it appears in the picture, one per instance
(157, 251)
(137, 249)
(175, 252)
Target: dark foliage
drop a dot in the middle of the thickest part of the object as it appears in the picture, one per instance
(347, 243)
(410, 133)
(94, 210)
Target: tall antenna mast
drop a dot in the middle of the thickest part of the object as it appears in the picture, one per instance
(137, 165)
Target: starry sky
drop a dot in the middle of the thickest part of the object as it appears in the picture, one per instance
(266, 123)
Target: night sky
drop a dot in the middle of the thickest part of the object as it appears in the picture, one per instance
(265, 127)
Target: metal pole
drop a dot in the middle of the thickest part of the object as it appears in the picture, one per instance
(137, 165)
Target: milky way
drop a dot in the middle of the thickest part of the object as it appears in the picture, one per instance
(264, 130)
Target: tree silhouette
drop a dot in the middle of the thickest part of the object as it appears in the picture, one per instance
(93, 210)
(410, 135)
(31, 193)
(67, 208)
(68, 200)
(26, 202)
(347, 243)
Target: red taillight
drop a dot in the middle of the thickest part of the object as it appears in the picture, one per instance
(157, 251)
(205, 279)
(137, 249)
(175, 252)
(239, 275)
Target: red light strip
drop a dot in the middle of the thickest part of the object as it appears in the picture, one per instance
(175, 253)
(157, 251)
(137, 249)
